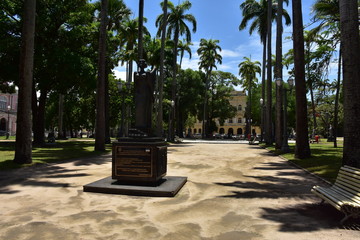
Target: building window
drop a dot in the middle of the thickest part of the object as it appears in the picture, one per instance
(239, 108)
(3, 103)
(230, 120)
(239, 120)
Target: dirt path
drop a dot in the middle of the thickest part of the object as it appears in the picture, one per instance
(234, 191)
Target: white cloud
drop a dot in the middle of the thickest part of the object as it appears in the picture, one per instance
(229, 53)
(120, 73)
(192, 63)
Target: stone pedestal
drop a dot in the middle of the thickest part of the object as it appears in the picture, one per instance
(140, 161)
(139, 168)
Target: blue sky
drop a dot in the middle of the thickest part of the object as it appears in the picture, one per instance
(218, 19)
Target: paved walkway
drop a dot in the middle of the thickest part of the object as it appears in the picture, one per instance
(234, 191)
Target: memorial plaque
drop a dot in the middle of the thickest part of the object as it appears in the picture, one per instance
(139, 161)
(133, 161)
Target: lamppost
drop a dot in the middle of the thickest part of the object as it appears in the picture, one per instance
(262, 119)
(122, 92)
(8, 123)
(250, 127)
(171, 121)
(285, 145)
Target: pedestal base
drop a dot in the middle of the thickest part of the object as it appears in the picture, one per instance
(168, 187)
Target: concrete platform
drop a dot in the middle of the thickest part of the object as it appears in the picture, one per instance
(169, 187)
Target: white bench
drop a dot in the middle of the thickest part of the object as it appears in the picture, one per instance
(344, 195)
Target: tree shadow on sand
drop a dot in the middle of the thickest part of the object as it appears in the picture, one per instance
(286, 185)
(47, 175)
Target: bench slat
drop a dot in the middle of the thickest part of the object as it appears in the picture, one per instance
(327, 198)
(354, 177)
(351, 197)
(353, 169)
(350, 172)
(351, 184)
(336, 197)
(338, 201)
(344, 184)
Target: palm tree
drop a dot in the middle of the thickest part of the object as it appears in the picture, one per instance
(176, 20)
(100, 94)
(258, 12)
(183, 47)
(23, 145)
(278, 74)
(268, 114)
(351, 74)
(302, 149)
(209, 56)
(128, 34)
(326, 11)
(162, 75)
(117, 12)
(247, 72)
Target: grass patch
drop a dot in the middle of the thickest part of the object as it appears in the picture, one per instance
(325, 160)
(10, 138)
(61, 150)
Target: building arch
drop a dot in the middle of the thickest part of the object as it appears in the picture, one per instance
(3, 124)
(221, 130)
(239, 131)
(231, 131)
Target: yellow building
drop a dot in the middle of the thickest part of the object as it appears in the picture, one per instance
(232, 126)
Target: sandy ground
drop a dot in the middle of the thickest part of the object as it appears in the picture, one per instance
(234, 191)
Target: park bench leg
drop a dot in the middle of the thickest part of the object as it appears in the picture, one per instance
(347, 216)
(354, 212)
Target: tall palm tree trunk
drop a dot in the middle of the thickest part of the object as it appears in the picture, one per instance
(140, 37)
(249, 114)
(173, 86)
(205, 106)
(313, 108)
(263, 90)
(23, 145)
(311, 89)
(337, 95)
(162, 75)
(351, 80)
(302, 149)
(61, 116)
(100, 95)
(269, 129)
(278, 73)
(128, 109)
(107, 105)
